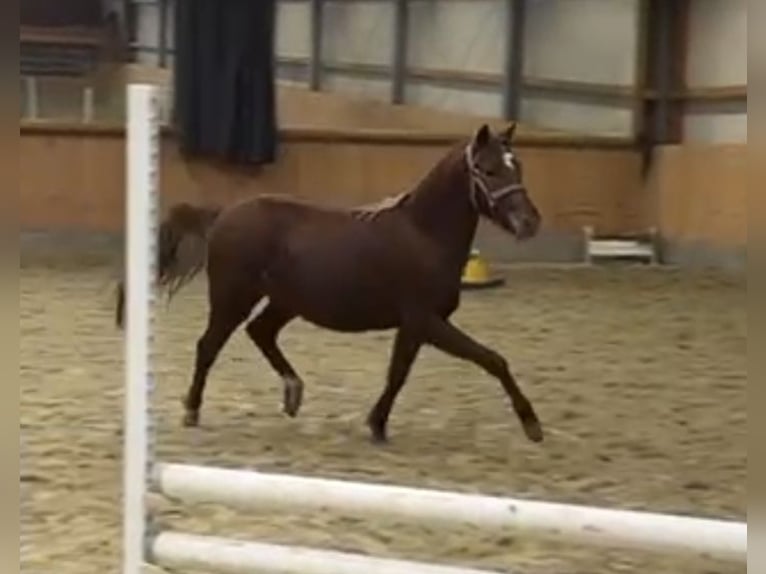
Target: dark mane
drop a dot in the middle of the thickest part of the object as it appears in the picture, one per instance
(371, 211)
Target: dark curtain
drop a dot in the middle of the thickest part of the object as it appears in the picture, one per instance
(55, 13)
(224, 79)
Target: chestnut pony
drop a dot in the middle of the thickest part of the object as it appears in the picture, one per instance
(396, 265)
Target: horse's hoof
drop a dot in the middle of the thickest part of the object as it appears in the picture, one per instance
(290, 411)
(293, 396)
(191, 419)
(291, 406)
(379, 438)
(533, 430)
(377, 432)
(529, 421)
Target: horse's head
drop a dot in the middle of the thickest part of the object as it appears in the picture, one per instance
(497, 187)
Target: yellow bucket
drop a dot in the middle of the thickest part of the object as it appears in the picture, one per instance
(476, 273)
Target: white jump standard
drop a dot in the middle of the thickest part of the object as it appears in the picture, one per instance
(141, 192)
(250, 490)
(640, 248)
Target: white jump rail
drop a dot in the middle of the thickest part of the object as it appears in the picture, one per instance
(251, 490)
(245, 489)
(227, 556)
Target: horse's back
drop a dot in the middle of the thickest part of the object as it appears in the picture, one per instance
(330, 266)
(281, 210)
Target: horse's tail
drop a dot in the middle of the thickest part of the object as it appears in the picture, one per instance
(182, 250)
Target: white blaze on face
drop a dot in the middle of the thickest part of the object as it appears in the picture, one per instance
(508, 159)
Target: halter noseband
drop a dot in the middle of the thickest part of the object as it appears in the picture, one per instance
(479, 185)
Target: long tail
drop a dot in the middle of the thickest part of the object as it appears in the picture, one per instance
(182, 251)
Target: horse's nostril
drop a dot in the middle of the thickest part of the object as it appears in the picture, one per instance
(530, 225)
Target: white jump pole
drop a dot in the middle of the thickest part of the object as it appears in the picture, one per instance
(581, 524)
(141, 193)
(226, 556)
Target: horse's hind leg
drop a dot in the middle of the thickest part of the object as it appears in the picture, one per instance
(263, 331)
(224, 317)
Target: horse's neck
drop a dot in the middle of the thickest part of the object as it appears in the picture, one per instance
(441, 208)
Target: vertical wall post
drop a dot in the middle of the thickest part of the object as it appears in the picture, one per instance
(162, 39)
(663, 19)
(399, 60)
(641, 76)
(679, 54)
(315, 59)
(516, 14)
(667, 68)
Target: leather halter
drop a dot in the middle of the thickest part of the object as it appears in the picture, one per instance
(479, 185)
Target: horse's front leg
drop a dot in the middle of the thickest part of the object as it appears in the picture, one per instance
(445, 336)
(405, 351)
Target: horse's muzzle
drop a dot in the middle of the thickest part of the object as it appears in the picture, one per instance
(523, 226)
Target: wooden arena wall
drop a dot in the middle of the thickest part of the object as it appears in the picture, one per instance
(72, 179)
(698, 195)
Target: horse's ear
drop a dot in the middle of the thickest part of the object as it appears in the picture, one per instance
(482, 137)
(509, 133)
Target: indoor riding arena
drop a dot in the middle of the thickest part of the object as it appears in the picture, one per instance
(623, 319)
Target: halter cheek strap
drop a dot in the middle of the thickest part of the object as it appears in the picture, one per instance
(479, 185)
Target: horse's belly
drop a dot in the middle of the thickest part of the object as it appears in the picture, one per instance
(342, 310)
(340, 295)
(350, 319)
